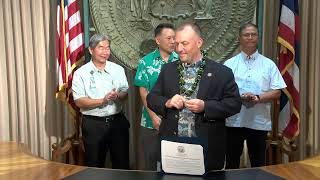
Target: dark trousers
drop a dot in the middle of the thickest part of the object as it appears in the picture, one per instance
(256, 142)
(149, 140)
(103, 134)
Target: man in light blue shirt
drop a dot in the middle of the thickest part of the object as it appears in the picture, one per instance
(259, 82)
(98, 89)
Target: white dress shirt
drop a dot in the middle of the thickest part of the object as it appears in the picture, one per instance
(88, 81)
(256, 74)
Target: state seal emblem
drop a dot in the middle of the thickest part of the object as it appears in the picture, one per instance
(130, 23)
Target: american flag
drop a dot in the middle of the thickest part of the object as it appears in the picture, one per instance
(289, 63)
(69, 49)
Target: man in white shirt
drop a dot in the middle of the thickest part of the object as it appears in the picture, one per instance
(98, 89)
(259, 82)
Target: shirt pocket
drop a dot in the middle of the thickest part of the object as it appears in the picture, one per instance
(92, 92)
(265, 82)
(91, 89)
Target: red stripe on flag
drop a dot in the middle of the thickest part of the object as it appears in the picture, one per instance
(286, 33)
(292, 128)
(287, 38)
(72, 8)
(286, 59)
(77, 54)
(292, 89)
(68, 58)
(75, 31)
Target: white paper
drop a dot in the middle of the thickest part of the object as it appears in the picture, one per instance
(182, 158)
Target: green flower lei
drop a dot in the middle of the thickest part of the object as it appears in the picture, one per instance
(183, 90)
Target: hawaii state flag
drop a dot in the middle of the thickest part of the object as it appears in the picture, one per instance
(69, 49)
(289, 63)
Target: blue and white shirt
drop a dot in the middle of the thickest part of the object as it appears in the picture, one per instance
(88, 81)
(256, 74)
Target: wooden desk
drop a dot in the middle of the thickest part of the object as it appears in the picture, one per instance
(16, 162)
(308, 169)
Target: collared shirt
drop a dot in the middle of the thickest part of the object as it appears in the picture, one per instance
(256, 74)
(88, 81)
(186, 123)
(146, 76)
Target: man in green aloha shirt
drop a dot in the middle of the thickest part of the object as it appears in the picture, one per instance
(147, 74)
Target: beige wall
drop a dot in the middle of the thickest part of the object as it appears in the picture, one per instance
(30, 113)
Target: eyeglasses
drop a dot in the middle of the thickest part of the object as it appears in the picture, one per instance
(246, 35)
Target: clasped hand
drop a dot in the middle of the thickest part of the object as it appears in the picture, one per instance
(179, 102)
(111, 96)
(249, 99)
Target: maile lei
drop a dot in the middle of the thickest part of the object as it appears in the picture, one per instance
(183, 90)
